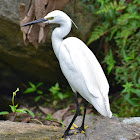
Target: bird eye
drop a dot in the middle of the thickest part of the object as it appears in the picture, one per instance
(51, 18)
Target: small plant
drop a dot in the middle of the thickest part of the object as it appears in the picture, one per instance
(62, 124)
(57, 95)
(35, 89)
(14, 107)
(122, 108)
(82, 110)
(54, 96)
(131, 99)
(49, 117)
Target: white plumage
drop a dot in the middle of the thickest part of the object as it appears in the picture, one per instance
(84, 74)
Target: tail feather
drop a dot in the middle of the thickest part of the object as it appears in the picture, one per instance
(102, 106)
(107, 106)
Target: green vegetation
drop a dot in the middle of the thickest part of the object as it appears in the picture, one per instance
(57, 95)
(54, 95)
(49, 117)
(14, 107)
(35, 89)
(119, 29)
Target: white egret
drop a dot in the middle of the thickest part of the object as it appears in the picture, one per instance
(79, 65)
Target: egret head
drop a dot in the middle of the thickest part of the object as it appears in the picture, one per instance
(56, 17)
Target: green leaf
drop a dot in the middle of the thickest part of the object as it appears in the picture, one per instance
(21, 111)
(30, 90)
(128, 86)
(37, 98)
(4, 113)
(13, 108)
(136, 91)
(16, 105)
(65, 95)
(126, 96)
(57, 87)
(39, 84)
(52, 90)
(39, 91)
(111, 62)
(62, 124)
(109, 59)
(96, 34)
(116, 115)
(113, 31)
(122, 19)
(32, 85)
(60, 95)
(134, 102)
(49, 116)
(30, 112)
(113, 6)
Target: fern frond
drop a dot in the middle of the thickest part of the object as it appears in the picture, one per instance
(122, 19)
(125, 33)
(111, 5)
(113, 31)
(96, 34)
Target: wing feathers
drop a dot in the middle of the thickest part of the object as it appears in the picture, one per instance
(86, 63)
(82, 62)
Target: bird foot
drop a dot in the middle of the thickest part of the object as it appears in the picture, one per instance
(74, 127)
(80, 129)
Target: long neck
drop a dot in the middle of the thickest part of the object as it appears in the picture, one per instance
(58, 34)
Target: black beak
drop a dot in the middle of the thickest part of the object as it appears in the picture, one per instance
(35, 21)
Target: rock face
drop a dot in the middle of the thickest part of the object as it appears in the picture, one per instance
(9, 10)
(19, 63)
(100, 128)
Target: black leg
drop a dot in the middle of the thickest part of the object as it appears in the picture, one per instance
(66, 133)
(83, 122)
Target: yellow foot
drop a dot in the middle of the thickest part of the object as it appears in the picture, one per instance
(86, 127)
(76, 127)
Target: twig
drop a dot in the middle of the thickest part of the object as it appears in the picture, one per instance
(29, 5)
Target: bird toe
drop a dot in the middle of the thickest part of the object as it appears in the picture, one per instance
(80, 129)
(74, 127)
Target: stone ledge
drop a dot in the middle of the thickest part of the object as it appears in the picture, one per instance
(100, 128)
